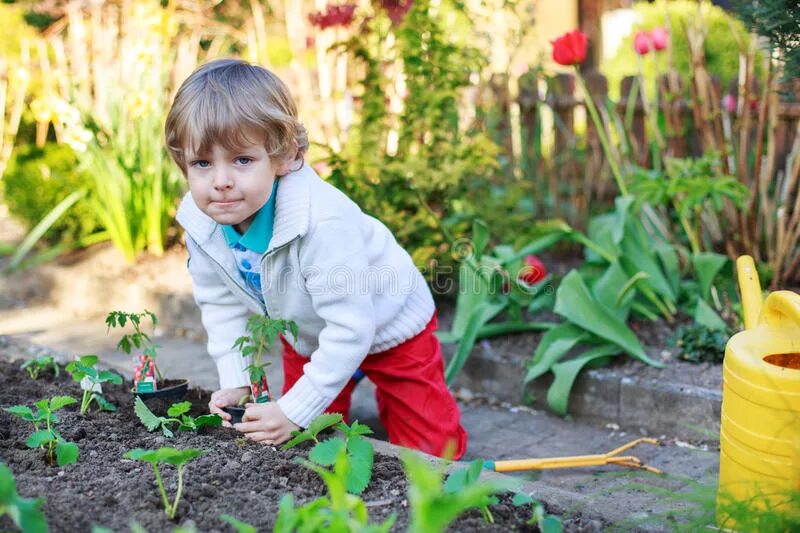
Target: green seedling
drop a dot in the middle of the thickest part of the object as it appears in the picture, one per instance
(546, 523)
(468, 476)
(26, 513)
(138, 338)
(338, 511)
(432, 507)
(238, 525)
(172, 456)
(66, 453)
(36, 366)
(91, 379)
(359, 451)
(263, 332)
(178, 415)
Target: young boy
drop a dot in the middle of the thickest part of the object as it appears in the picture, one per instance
(266, 234)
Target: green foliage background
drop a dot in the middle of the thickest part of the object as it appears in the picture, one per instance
(721, 48)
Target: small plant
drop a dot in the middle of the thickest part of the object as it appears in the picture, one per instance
(36, 366)
(179, 415)
(238, 525)
(24, 512)
(66, 453)
(263, 332)
(432, 507)
(700, 344)
(147, 370)
(91, 379)
(465, 477)
(358, 450)
(172, 456)
(546, 523)
(338, 511)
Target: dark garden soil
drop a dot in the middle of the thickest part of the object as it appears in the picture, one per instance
(236, 477)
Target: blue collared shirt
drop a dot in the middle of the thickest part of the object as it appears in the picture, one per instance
(248, 248)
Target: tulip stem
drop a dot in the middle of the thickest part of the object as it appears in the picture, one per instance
(601, 133)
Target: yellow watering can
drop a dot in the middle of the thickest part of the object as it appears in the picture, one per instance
(760, 429)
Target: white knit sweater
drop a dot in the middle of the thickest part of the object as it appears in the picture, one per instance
(337, 272)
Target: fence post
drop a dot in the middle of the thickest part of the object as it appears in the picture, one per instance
(675, 110)
(562, 98)
(530, 127)
(502, 120)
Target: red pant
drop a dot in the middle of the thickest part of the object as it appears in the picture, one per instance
(414, 404)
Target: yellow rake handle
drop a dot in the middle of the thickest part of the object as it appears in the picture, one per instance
(576, 461)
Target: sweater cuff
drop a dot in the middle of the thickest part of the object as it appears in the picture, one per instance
(231, 370)
(302, 403)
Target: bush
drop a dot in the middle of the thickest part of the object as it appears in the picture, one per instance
(721, 48)
(37, 179)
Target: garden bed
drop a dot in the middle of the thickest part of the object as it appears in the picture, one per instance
(236, 477)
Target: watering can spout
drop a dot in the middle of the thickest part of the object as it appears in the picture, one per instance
(750, 288)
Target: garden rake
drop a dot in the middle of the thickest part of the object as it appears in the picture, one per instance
(601, 459)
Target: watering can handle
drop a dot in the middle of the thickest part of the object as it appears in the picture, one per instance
(750, 289)
(782, 308)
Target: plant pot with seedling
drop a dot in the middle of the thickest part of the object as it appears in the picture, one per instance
(262, 332)
(148, 381)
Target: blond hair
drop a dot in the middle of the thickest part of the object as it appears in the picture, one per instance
(226, 101)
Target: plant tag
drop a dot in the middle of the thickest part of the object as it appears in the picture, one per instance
(87, 384)
(263, 397)
(260, 391)
(146, 386)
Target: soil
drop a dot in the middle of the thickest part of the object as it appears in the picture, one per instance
(240, 478)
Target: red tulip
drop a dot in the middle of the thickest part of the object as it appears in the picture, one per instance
(533, 271)
(642, 42)
(334, 15)
(397, 9)
(660, 38)
(570, 48)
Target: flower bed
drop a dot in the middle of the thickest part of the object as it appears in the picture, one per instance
(234, 477)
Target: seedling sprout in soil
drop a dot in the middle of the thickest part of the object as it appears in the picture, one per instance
(179, 415)
(91, 379)
(173, 456)
(358, 450)
(26, 513)
(147, 370)
(36, 366)
(66, 452)
(263, 332)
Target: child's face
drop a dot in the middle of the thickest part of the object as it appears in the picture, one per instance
(231, 187)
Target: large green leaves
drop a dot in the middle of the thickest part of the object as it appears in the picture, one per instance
(566, 372)
(480, 315)
(576, 303)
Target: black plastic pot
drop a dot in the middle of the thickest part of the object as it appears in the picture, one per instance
(236, 413)
(172, 389)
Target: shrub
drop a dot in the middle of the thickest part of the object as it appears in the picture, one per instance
(721, 48)
(37, 179)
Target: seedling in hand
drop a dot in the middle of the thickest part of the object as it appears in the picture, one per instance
(66, 453)
(172, 456)
(91, 379)
(358, 450)
(179, 415)
(263, 332)
(138, 339)
(36, 366)
(26, 513)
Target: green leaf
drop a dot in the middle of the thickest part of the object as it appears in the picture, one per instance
(480, 315)
(520, 498)
(298, 437)
(361, 455)
(146, 416)
(57, 402)
(29, 516)
(566, 372)
(208, 421)
(480, 238)
(550, 524)
(39, 438)
(552, 347)
(359, 429)
(104, 404)
(670, 263)
(707, 266)
(323, 421)
(66, 453)
(22, 411)
(471, 292)
(244, 527)
(111, 377)
(638, 256)
(324, 453)
(177, 409)
(608, 288)
(704, 314)
(575, 303)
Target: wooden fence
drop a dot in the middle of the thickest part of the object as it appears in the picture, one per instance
(567, 162)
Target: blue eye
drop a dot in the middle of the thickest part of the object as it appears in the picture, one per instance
(244, 160)
(200, 163)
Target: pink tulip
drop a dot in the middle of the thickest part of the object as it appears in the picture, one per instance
(660, 38)
(642, 43)
(729, 103)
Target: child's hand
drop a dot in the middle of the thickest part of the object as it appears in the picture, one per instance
(223, 398)
(266, 423)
